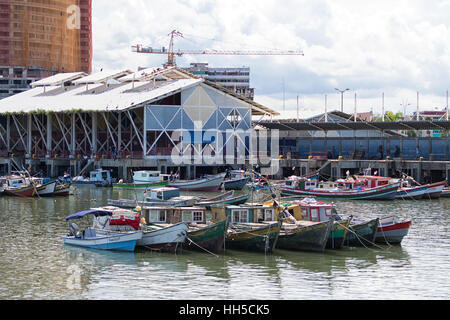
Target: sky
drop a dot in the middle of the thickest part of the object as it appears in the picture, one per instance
(396, 49)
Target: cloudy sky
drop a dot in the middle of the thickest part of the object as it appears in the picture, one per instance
(396, 48)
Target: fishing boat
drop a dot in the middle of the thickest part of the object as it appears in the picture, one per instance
(62, 189)
(208, 183)
(161, 230)
(392, 231)
(235, 180)
(434, 190)
(144, 179)
(445, 192)
(100, 238)
(250, 228)
(202, 235)
(168, 196)
(298, 233)
(313, 210)
(362, 232)
(44, 188)
(240, 199)
(351, 190)
(19, 186)
(97, 177)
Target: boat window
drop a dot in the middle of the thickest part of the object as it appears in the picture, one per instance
(186, 216)
(321, 186)
(157, 216)
(328, 212)
(240, 216)
(104, 175)
(159, 195)
(143, 175)
(314, 214)
(197, 216)
(268, 215)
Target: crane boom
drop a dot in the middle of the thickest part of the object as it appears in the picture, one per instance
(171, 53)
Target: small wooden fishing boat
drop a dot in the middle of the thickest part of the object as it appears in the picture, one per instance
(44, 189)
(163, 237)
(209, 236)
(144, 179)
(256, 237)
(407, 193)
(305, 235)
(225, 201)
(235, 180)
(391, 231)
(19, 186)
(445, 192)
(97, 238)
(362, 232)
(97, 177)
(434, 190)
(62, 189)
(251, 227)
(312, 210)
(299, 186)
(209, 183)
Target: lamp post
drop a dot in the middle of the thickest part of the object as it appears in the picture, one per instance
(342, 97)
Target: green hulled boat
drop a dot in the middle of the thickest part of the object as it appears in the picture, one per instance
(362, 232)
(209, 236)
(144, 179)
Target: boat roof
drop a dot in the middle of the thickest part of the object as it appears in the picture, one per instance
(173, 208)
(96, 212)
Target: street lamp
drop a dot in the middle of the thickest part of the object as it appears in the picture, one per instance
(342, 97)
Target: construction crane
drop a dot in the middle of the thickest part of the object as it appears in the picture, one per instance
(171, 53)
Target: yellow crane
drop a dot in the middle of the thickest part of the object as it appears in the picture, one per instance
(170, 52)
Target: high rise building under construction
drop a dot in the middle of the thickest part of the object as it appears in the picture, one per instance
(39, 38)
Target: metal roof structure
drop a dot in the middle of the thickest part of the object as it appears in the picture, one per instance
(110, 90)
(358, 125)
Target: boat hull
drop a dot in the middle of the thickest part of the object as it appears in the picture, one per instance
(48, 190)
(167, 239)
(338, 234)
(229, 201)
(236, 184)
(392, 233)
(385, 192)
(434, 190)
(21, 192)
(306, 237)
(211, 238)
(411, 193)
(263, 239)
(107, 241)
(62, 190)
(205, 184)
(362, 233)
(140, 185)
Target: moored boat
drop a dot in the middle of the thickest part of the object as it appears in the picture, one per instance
(434, 190)
(312, 210)
(391, 231)
(240, 199)
(362, 232)
(96, 238)
(235, 180)
(19, 186)
(299, 186)
(144, 179)
(251, 228)
(208, 183)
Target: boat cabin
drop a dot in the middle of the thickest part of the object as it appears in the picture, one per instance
(145, 176)
(244, 213)
(373, 181)
(173, 215)
(162, 194)
(312, 210)
(100, 175)
(15, 181)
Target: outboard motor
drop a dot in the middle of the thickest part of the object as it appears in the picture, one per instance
(74, 230)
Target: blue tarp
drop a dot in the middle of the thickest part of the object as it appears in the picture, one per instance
(81, 214)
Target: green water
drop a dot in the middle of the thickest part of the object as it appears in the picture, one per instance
(34, 263)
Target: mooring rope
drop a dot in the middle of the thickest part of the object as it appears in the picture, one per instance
(191, 241)
(357, 237)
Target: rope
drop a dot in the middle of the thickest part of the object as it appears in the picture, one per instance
(191, 241)
(357, 237)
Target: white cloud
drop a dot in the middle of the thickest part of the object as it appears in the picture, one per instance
(397, 47)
